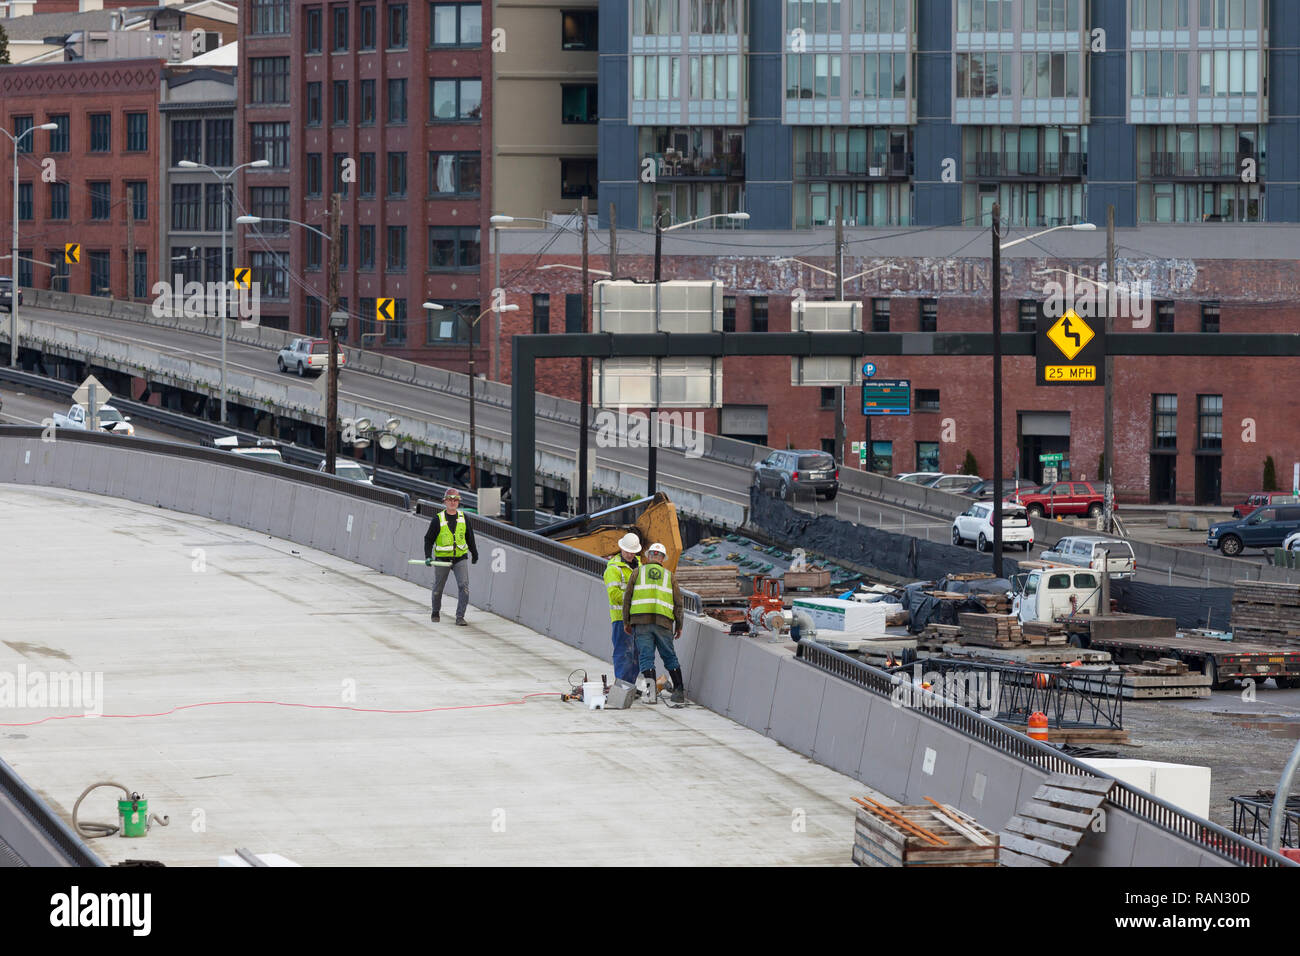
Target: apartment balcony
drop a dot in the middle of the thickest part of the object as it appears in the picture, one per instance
(1202, 167)
(878, 166)
(673, 165)
(1030, 166)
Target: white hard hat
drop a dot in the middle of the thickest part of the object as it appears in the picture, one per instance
(657, 547)
(630, 543)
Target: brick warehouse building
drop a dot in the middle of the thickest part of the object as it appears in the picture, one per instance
(1191, 430)
(105, 151)
(390, 103)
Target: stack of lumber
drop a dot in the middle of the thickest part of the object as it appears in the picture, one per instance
(1039, 632)
(1266, 613)
(1162, 679)
(715, 583)
(993, 603)
(936, 635)
(972, 576)
(990, 630)
(947, 595)
(898, 618)
(935, 834)
(810, 577)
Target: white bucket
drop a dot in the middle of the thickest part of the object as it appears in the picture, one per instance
(593, 695)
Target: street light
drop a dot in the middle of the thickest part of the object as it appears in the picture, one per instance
(998, 246)
(13, 263)
(225, 275)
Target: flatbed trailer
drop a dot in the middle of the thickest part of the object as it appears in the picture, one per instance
(1134, 638)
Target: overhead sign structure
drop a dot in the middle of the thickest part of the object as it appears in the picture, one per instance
(243, 275)
(1070, 350)
(887, 397)
(384, 310)
(71, 252)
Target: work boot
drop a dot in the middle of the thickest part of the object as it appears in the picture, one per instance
(434, 617)
(679, 686)
(461, 622)
(652, 688)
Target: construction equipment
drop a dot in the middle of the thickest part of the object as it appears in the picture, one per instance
(653, 519)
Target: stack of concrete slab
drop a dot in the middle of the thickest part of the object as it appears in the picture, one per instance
(1266, 613)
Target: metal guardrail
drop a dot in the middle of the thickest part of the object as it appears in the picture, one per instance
(58, 834)
(1153, 810)
(1252, 816)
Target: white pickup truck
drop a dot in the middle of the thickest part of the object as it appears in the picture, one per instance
(307, 356)
(110, 420)
(1044, 594)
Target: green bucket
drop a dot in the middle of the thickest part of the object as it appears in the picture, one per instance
(135, 817)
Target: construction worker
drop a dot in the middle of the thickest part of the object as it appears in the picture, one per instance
(618, 572)
(652, 610)
(450, 539)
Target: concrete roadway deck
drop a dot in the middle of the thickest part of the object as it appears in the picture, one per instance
(103, 585)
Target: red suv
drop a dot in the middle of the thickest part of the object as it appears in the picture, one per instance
(1064, 498)
(1261, 498)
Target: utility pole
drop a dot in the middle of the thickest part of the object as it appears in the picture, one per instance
(332, 411)
(1108, 456)
(585, 371)
(613, 243)
(839, 297)
(997, 390)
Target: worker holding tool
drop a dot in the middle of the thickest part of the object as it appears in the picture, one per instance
(618, 572)
(652, 610)
(450, 539)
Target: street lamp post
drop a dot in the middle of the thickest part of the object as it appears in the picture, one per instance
(225, 274)
(13, 262)
(473, 456)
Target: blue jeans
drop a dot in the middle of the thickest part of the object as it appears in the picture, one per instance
(652, 637)
(624, 653)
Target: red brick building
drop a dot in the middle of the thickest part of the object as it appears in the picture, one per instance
(94, 181)
(1186, 429)
(388, 103)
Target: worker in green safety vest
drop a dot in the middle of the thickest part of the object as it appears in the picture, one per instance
(447, 543)
(618, 571)
(652, 613)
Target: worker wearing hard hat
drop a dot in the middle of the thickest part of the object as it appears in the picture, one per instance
(451, 540)
(652, 610)
(618, 571)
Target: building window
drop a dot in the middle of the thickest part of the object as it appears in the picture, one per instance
(212, 266)
(101, 132)
(340, 114)
(137, 194)
(100, 281)
(882, 457)
(541, 313)
(578, 29)
(366, 107)
(25, 201)
(396, 182)
(395, 248)
(341, 185)
(61, 138)
(311, 23)
(929, 315)
(1210, 422)
(578, 178)
(270, 16)
(396, 101)
(1164, 421)
(395, 331)
(927, 399)
(312, 317)
(58, 201)
(578, 103)
(758, 313)
(212, 211)
(455, 174)
(187, 207)
(366, 27)
(366, 174)
(187, 141)
(270, 141)
(827, 396)
(455, 24)
(879, 315)
(366, 248)
(455, 100)
(1209, 317)
(339, 28)
(396, 26)
(313, 175)
(137, 132)
(343, 246)
(1055, 17)
(1160, 73)
(219, 142)
(140, 274)
(454, 325)
(313, 251)
(269, 274)
(1164, 316)
(573, 323)
(25, 267)
(728, 313)
(1027, 315)
(270, 80)
(101, 199)
(927, 456)
(453, 248)
(313, 104)
(21, 125)
(270, 202)
(185, 263)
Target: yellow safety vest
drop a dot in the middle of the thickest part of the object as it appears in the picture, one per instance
(653, 593)
(617, 573)
(450, 544)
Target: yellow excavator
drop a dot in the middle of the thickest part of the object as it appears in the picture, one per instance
(652, 519)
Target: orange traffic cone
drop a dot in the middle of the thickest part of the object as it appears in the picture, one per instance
(1038, 726)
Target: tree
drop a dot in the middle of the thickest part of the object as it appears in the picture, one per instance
(969, 467)
(1270, 475)
(4, 47)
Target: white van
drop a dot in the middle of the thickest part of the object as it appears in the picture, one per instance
(1085, 551)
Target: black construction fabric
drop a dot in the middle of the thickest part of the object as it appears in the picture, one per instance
(1190, 607)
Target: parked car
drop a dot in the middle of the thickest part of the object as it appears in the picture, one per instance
(307, 355)
(1261, 498)
(976, 524)
(1266, 527)
(957, 484)
(349, 470)
(790, 473)
(1085, 552)
(110, 420)
(918, 477)
(7, 293)
(1064, 498)
(1010, 488)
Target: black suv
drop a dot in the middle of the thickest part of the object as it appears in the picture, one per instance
(6, 294)
(791, 473)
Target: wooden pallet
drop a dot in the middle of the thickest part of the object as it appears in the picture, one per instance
(1082, 736)
(990, 630)
(929, 835)
(1266, 613)
(1048, 828)
(714, 582)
